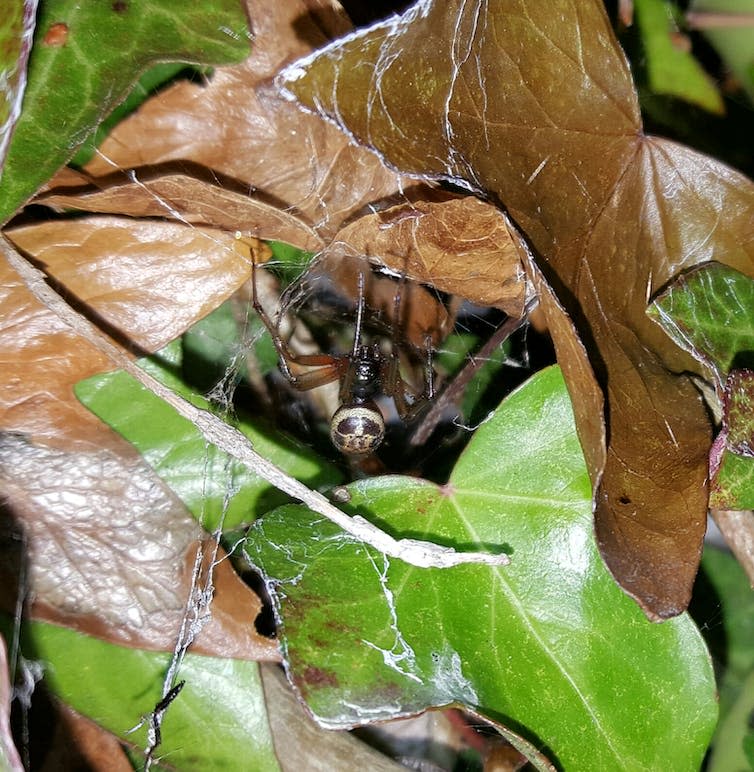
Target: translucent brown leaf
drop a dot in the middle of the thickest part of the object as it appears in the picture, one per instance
(192, 198)
(532, 103)
(148, 279)
(78, 491)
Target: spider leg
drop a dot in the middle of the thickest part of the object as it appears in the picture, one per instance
(330, 368)
(396, 387)
(312, 379)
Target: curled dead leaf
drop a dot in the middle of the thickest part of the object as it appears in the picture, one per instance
(459, 245)
(191, 198)
(240, 127)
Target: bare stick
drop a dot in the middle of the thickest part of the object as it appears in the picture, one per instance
(711, 20)
(418, 553)
(737, 528)
(452, 394)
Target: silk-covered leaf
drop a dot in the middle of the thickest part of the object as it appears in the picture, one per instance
(86, 57)
(219, 491)
(532, 103)
(458, 245)
(547, 643)
(707, 311)
(105, 549)
(234, 126)
(146, 280)
(191, 198)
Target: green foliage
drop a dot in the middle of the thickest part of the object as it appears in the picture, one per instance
(218, 720)
(709, 313)
(548, 643)
(673, 70)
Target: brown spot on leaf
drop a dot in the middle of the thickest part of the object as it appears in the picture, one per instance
(56, 36)
(318, 678)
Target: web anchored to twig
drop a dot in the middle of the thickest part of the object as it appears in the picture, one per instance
(422, 554)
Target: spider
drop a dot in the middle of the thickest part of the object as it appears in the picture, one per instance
(357, 427)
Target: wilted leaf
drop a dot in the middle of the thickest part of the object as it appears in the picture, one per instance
(165, 277)
(148, 279)
(108, 551)
(533, 103)
(299, 740)
(553, 645)
(458, 245)
(189, 198)
(16, 31)
(217, 718)
(86, 57)
(77, 741)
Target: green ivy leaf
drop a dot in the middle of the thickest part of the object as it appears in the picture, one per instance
(16, 30)
(733, 41)
(217, 721)
(78, 75)
(707, 311)
(201, 475)
(548, 644)
(727, 611)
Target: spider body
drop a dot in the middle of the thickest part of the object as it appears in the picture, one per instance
(357, 427)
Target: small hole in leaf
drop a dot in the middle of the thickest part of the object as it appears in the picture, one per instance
(624, 499)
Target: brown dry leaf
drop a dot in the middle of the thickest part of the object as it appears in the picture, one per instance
(459, 245)
(80, 743)
(255, 137)
(422, 316)
(166, 276)
(298, 739)
(187, 198)
(80, 512)
(533, 103)
(149, 280)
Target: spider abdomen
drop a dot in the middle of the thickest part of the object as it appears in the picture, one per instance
(357, 430)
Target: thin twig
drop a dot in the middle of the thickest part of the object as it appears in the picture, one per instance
(453, 392)
(709, 20)
(413, 551)
(737, 528)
